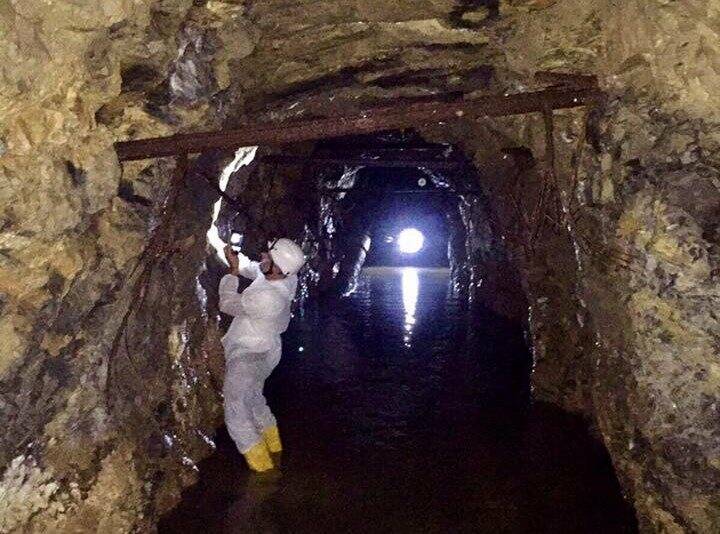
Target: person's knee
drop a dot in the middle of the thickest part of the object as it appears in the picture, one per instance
(239, 399)
(237, 384)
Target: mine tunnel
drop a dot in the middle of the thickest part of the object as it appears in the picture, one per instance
(506, 319)
(402, 396)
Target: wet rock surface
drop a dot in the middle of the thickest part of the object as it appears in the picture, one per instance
(106, 390)
(648, 286)
(622, 295)
(429, 431)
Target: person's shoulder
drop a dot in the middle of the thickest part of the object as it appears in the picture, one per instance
(291, 282)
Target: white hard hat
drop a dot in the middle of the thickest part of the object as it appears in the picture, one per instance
(287, 255)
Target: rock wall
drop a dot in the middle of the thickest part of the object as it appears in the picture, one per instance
(108, 360)
(645, 231)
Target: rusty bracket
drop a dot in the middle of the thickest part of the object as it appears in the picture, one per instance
(549, 122)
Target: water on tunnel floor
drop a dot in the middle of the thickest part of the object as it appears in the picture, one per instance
(395, 419)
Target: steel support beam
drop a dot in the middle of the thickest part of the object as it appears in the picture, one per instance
(436, 152)
(362, 162)
(566, 79)
(370, 121)
(336, 191)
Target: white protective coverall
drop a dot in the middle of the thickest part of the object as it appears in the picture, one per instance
(252, 348)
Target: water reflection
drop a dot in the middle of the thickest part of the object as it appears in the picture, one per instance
(410, 291)
(429, 438)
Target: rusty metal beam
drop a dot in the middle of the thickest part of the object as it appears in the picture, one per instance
(370, 121)
(363, 162)
(337, 190)
(567, 79)
(401, 152)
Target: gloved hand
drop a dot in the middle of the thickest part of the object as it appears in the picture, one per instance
(236, 260)
(233, 259)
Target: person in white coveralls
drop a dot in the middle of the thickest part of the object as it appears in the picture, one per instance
(261, 313)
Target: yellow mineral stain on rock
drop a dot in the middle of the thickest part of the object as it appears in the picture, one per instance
(54, 343)
(113, 502)
(628, 225)
(476, 16)
(70, 448)
(122, 234)
(667, 247)
(25, 277)
(14, 330)
(644, 302)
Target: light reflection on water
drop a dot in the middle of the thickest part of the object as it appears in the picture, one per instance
(410, 292)
(394, 420)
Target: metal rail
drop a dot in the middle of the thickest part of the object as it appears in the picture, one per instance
(370, 121)
(402, 191)
(364, 162)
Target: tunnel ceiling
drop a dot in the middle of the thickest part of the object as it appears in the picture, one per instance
(398, 153)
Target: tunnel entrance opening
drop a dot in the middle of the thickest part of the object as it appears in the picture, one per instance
(409, 226)
(406, 223)
(395, 205)
(394, 417)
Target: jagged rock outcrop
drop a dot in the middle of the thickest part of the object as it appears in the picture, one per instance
(647, 196)
(106, 374)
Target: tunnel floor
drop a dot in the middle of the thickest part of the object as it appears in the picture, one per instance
(395, 420)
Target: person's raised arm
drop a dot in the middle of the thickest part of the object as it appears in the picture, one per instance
(241, 265)
(230, 301)
(248, 268)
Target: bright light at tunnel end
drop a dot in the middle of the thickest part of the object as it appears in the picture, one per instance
(410, 241)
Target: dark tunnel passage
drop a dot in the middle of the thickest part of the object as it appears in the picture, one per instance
(404, 404)
(408, 206)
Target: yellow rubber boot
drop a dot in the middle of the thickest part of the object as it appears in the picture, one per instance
(272, 439)
(258, 458)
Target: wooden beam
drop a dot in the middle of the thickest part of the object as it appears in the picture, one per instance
(370, 121)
